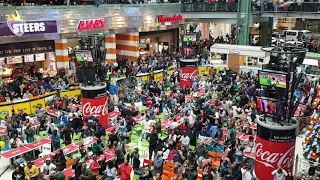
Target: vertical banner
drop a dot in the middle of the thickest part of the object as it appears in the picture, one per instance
(275, 146)
(158, 76)
(95, 102)
(187, 76)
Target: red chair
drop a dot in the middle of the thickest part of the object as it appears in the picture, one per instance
(146, 162)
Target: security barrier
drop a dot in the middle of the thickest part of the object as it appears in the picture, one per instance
(29, 105)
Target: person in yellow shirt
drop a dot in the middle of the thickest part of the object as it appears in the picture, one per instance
(31, 172)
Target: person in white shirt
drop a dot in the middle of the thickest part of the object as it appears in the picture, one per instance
(147, 125)
(23, 142)
(15, 142)
(247, 174)
(166, 112)
(192, 117)
(185, 141)
(279, 174)
(47, 168)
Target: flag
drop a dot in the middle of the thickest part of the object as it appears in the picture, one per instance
(286, 4)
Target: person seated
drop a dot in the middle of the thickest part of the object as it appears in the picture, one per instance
(15, 142)
(97, 148)
(31, 172)
(147, 175)
(18, 174)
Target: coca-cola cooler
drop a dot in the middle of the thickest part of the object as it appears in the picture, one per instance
(275, 146)
(188, 72)
(95, 102)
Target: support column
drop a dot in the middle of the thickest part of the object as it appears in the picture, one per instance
(128, 45)
(110, 45)
(62, 58)
(299, 24)
(244, 15)
(205, 30)
(266, 32)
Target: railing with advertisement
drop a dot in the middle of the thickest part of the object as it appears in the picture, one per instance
(29, 105)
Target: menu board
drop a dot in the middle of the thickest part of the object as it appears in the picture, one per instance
(40, 57)
(29, 58)
(14, 60)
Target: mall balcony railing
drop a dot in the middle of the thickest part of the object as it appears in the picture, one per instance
(209, 7)
(303, 7)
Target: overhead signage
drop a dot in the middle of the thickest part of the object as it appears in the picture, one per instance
(25, 48)
(91, 24)
(169, 19)
(17, 26)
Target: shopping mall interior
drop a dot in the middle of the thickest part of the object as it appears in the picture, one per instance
(159, 90)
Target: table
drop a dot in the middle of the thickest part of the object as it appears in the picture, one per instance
(37, 144)
(250, 155)
(4, 131)
(114, 114)
(53, 112)
(75, 106)
(68, 149)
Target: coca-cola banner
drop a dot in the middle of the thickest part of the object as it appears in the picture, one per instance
(98, 107)
(187, 76)
(274, 147)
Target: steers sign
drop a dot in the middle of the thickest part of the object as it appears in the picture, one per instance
(91, 24)
(168, 19)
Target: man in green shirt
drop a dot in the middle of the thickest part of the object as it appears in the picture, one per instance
(97, 148)
(192, 174)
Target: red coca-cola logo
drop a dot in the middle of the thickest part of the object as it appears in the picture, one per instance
(190, 76)
(98, 106)
(270, 155)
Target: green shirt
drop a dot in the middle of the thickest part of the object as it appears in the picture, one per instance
(192, 175)
(96, 148)
(61, 176)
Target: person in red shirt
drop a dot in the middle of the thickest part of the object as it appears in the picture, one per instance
(125, 170)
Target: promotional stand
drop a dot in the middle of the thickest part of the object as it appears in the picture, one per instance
(188, 72)
(95, 102)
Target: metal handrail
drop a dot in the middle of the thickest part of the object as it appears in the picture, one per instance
(305, 7)
(209, 7)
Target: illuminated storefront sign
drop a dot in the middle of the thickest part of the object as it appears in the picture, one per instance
(169, 19)
(91, 24)
(17, 26)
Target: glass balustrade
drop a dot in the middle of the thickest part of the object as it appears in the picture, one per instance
(209, 7)
(305, 7)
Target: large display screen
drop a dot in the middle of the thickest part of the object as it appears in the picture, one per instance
(270, 106)
(14, 60)
(273, 79)
(40, 57)
(29, 58)
(189, 38)
(84, 56)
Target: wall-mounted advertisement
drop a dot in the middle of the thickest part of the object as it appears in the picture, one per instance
(40, 57)
(14, 60)
(29, 58)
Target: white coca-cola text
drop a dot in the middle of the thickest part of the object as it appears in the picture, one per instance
(102, 109)
(273, 159)
(190, 76)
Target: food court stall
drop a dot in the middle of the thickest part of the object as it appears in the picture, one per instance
(240, 57)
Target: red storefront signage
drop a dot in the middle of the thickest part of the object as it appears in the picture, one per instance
(174, 18)
(187, 76)
(91, 24)
(96, 106)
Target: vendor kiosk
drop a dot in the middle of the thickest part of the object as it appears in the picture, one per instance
(240, 57)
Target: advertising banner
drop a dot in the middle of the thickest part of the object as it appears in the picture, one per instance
(187, 76)
(5, 110)
(158, 76)
(98, 107)
(203, 70)
(71, 93)
(144, 77)
(35, 102)
(24, 48)
(274, 147)
(25, 106)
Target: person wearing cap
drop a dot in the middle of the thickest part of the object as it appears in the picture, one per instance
(31, 172)
(47, 168)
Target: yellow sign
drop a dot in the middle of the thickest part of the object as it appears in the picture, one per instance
(34, 103)
(158, 77)
(203, 70)
(5, 110)
(71, 93)
(169, 72)
(144, 78)
(25, 106)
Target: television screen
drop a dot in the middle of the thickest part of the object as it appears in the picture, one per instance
(189, 38)
(270, 106)
(84, 56)
(40, 57)
(29, 58)
(273, 79)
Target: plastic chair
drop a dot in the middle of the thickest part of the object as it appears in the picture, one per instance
(5, 148)
(134, 141)
(136, 177)
(192, 148)
(43, 134)
(69, 163)
(62, 143)
(76, 137)
(217, 161)
(144, 146)
(212, 155)
(200, 172)
(169, 164)
(143, 109)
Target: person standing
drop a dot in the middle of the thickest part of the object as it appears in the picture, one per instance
(152, 143)
(279, 174)
(125, 170)
(55, 140)
(158, 163)
(119, 153)
(77, 166)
